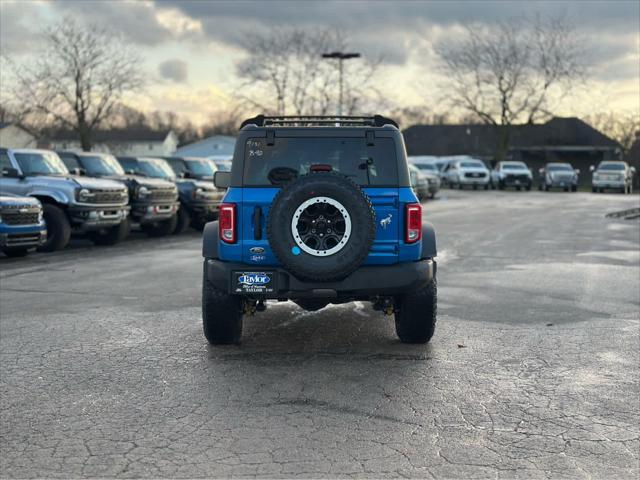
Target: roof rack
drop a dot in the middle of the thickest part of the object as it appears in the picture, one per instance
(318, 121)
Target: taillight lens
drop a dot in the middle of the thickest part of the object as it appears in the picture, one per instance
(227, 222)
(413, 231)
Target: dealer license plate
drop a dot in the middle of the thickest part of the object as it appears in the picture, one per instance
(254, 282)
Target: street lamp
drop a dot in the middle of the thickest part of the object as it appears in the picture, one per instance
(341, 56)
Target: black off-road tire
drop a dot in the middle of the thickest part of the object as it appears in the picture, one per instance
(113, 235)
(15, 251)
(199, 225)
(363, 228)
(58, 228)
(163, 228)
(416, 314)
(221, 314)
(183, 221)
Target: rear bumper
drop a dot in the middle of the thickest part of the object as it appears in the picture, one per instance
(389, 280)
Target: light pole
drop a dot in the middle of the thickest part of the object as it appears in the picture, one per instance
(341, 56)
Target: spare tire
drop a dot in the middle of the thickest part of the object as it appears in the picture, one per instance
(321, 227)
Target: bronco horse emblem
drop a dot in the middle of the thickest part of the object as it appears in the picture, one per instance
(385, 222)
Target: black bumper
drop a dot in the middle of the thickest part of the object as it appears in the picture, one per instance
(365, 282)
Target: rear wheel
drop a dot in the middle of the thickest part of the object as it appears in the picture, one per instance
(528, 187)
(594, 189)
(416, 314)
(221, 314)
(574, 188)
(162, 228)
(112, 235)
(58, 228)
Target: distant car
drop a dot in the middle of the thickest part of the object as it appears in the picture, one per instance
(22, 224)
(419, 183)
(222, 162)
(511, 174)
(200, 198)
(613, 175)
(471, 172)
(431, 172)
(153, 202)
(71, 203)
(558, 175)
(223, 165)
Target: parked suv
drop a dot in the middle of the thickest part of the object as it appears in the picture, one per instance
(511, 174)
(21, 224)
(558, 175)
(70, 202)
(153, 202)
(613, 175)
(199, 198)
(318, 210)
(471, 172)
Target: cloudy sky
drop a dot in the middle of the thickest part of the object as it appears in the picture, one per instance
(190, 48)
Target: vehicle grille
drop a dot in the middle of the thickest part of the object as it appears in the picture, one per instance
(162, 194)
(513, 178)
(14, 217)
(475, 175)
(108, 196)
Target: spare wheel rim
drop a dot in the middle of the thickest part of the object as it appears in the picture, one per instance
(321, 226)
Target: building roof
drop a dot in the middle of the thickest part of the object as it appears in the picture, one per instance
(483, 140)
(137, 134)
(215, 144)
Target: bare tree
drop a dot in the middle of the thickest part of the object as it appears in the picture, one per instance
(79, 79)
(512, 72)
(623, 127)
(284, 72)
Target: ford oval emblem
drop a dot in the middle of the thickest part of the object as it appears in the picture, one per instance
(254, 279)
(256, 250)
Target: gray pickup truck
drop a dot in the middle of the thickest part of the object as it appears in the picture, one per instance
(154, 202)
(70, 203)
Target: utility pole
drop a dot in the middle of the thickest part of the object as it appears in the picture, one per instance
(341, 56)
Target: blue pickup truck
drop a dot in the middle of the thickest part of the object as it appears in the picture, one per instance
(318, 210)
(22, 226)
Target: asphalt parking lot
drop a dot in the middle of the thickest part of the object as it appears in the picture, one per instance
(533, 371)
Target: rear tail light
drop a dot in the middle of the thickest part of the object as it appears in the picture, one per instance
(413, 231)
(227, 222)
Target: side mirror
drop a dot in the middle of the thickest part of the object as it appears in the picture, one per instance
(541, 171)
(11, 172)
(592, 168)
(577, 170)
(222, 179)
(633, 169)
(78, 171)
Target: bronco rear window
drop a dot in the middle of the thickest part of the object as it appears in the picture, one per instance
(289, 158)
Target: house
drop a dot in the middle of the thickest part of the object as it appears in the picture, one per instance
(12, 135)
(138, 141)
(216, 145)
(558, 140)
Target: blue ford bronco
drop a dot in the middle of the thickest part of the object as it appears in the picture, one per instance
(318, 210)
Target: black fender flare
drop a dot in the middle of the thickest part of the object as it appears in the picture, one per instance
(210, 240)
(429, 249)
